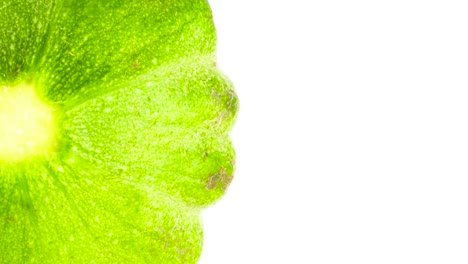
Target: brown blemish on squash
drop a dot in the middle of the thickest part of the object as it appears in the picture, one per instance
(136, 65)
(232, 102)
(222, 179)
(9, 219)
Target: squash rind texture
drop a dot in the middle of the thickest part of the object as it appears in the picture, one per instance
(143, 117)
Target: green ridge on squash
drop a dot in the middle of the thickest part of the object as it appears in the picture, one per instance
(141, 122)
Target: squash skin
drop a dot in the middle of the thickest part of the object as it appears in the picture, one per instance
(143, 117)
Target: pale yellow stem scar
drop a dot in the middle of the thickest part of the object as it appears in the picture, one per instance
(27, 124)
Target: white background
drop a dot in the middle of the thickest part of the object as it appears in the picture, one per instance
(352, 139)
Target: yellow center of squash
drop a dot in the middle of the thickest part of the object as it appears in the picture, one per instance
(27, 124)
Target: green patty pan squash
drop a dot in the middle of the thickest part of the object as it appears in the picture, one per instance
(114, 130)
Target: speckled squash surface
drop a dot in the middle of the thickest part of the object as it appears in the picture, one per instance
(114, 130)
